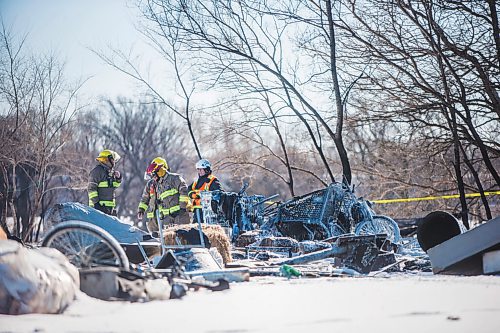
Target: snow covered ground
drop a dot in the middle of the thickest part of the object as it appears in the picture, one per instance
(406, 303)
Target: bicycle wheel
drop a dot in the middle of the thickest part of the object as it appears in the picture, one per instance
(86, 245)
(379, 224)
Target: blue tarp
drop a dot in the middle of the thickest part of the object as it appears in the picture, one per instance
(123, 232)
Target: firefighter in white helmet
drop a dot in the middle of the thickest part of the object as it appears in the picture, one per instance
(206, 182)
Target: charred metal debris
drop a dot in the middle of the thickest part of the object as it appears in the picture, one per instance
(328, 232)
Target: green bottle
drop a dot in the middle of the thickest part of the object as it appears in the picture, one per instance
(288, 271)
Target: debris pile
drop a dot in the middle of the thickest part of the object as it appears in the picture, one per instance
(329, 232)
(35, 280)
(452, 250)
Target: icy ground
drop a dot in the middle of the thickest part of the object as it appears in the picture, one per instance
(390, 303)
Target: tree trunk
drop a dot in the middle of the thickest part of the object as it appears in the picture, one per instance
(191, 133)
(496, 29)
(346, 167)
(478, 183)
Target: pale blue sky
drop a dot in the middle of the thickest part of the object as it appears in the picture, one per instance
(68, 27)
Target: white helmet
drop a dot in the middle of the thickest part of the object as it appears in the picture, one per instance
(203, 164)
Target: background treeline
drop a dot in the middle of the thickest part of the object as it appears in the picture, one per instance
(399, 98)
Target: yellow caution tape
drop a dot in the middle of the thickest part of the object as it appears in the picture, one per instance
(452, 196)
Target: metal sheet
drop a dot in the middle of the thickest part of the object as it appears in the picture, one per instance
(462, 254)
(491, 262)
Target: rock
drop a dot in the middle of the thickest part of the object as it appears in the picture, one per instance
(35, 280)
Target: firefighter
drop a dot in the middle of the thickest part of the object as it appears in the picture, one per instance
(148, 203)
(165, 192)
(206, 182)
(103, 182)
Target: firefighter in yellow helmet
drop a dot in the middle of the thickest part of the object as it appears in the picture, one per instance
(103, 181)
(166, 192)
(148, 203)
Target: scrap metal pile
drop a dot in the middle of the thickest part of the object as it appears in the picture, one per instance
(118, 261)
(329, 232)
(325, 213)
(327, 223)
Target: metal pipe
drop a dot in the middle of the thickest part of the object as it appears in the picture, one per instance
(334, 251)
(160, 231)
(264, 200)
(144, 253)
(200, 232)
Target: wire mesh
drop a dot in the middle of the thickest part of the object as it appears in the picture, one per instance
(318, 207)
(319, 214)
(229, 208)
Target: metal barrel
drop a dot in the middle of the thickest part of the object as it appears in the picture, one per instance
(436, 228)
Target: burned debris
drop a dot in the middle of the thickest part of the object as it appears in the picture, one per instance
(331, 222)
(330, 219)
(329, 232)
(454, 250)
(35, 280)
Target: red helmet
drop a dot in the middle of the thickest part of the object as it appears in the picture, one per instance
(156, 165)
(152, 168)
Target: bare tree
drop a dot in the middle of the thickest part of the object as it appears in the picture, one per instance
(252, 37)
(165, 40)
(432, 69)
(139, 132)
(262, 123)
(39, 108)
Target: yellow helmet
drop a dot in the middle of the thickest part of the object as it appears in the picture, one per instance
(160, 161)
(107, 154)
(157, 166)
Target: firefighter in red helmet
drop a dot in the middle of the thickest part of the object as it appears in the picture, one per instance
(165, 192)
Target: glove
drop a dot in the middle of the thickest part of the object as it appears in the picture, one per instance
(140, 215)
(117, 174)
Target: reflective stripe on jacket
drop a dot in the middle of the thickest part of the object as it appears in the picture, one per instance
(148, 199)
(102, 185)
(172, 193)
(204, 183)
